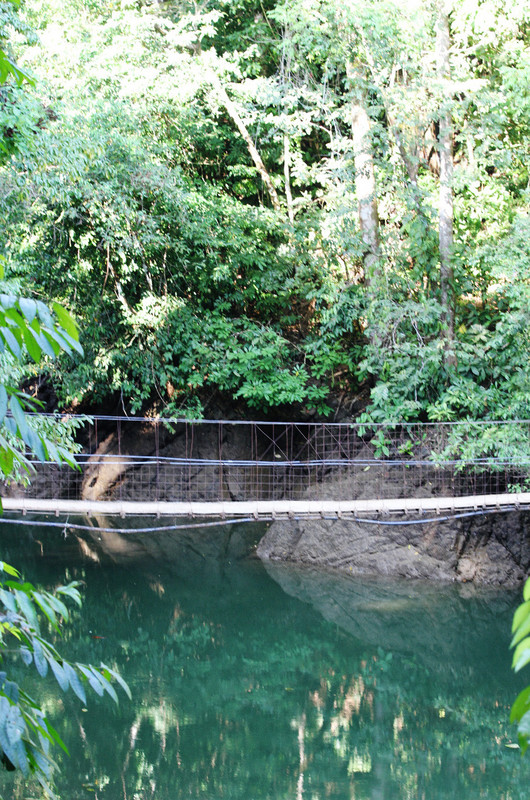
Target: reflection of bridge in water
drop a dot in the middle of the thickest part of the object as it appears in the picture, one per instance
(272, 469)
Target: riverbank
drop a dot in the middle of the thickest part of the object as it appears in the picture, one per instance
(149, 459)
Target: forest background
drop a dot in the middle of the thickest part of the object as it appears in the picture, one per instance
(284, 206)
(296, 208)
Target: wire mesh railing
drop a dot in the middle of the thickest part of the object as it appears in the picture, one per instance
(164, 460)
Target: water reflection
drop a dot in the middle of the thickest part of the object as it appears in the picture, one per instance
(253, 684)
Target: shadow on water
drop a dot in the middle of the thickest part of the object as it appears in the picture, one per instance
(252, 682)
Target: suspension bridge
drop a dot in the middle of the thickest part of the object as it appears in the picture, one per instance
(267, 470)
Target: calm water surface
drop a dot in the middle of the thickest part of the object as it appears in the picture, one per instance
(251, 683)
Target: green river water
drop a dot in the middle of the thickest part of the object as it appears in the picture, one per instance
(252, 682)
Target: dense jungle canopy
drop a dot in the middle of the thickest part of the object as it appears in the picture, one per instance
(288, 204)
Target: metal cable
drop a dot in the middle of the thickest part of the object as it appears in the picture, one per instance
(239, 520)
(267, 423)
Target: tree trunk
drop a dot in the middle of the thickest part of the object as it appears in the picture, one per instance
(243, 130)
(445, 146)
(287, 177)
(365, 188)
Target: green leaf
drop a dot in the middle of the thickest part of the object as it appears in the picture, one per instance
(44, 764)
(524, 725)
(521, 656)
(3, 401)
(7, 458)
(73, 342)
(46, 608)
(73, 680)
(107, 686)
(117, 677)
(521, 705)
(26, 655)
(71, 591)
(16, 753)
(4, 710)
(93, 679)
(58, 606)
(11, 342)
(50, 732)
(7, 300)
(15, 725)
(41, 341)
(8, 569)
(521, 613)
(59, 672)
(32, 346)
(65, 320)
(26, 608)
(60, 340)
(19, 417)
(13, 315)
(36, 444)
(526, 590)
(51, 336)
(8, 599)
(28, 308)
(522, 631)
(44, 314)
(39, 659)
(68, 458)
(53, 453)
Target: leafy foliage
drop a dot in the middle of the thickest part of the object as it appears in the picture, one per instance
(27, 326)
(140, 202)
(26, 734)
(521, 657)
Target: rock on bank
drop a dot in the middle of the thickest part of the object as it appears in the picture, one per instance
(489, 548)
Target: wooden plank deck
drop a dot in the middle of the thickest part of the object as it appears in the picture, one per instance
(270, 508)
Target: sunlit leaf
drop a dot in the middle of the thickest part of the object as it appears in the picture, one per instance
(26, 608)
(19, 416)
(11, 342)
(45, 607)
(118, 678)
(39, 659)
(71, 591)
(15, 725)
(28, 307)
(521, 613)
(65, 320)
(60, 674)
(75, 683)
(93, 679)
(26, 655)
(32, 346)
(521, 656)
(8, 569)
(521, 705)
(51, 338)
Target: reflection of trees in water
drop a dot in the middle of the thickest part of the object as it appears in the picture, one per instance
(234, 716)
(243, 692)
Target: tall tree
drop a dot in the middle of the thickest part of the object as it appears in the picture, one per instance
(366, 189)
(445, 149)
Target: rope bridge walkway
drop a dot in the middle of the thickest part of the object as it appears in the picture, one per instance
(134, 466)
